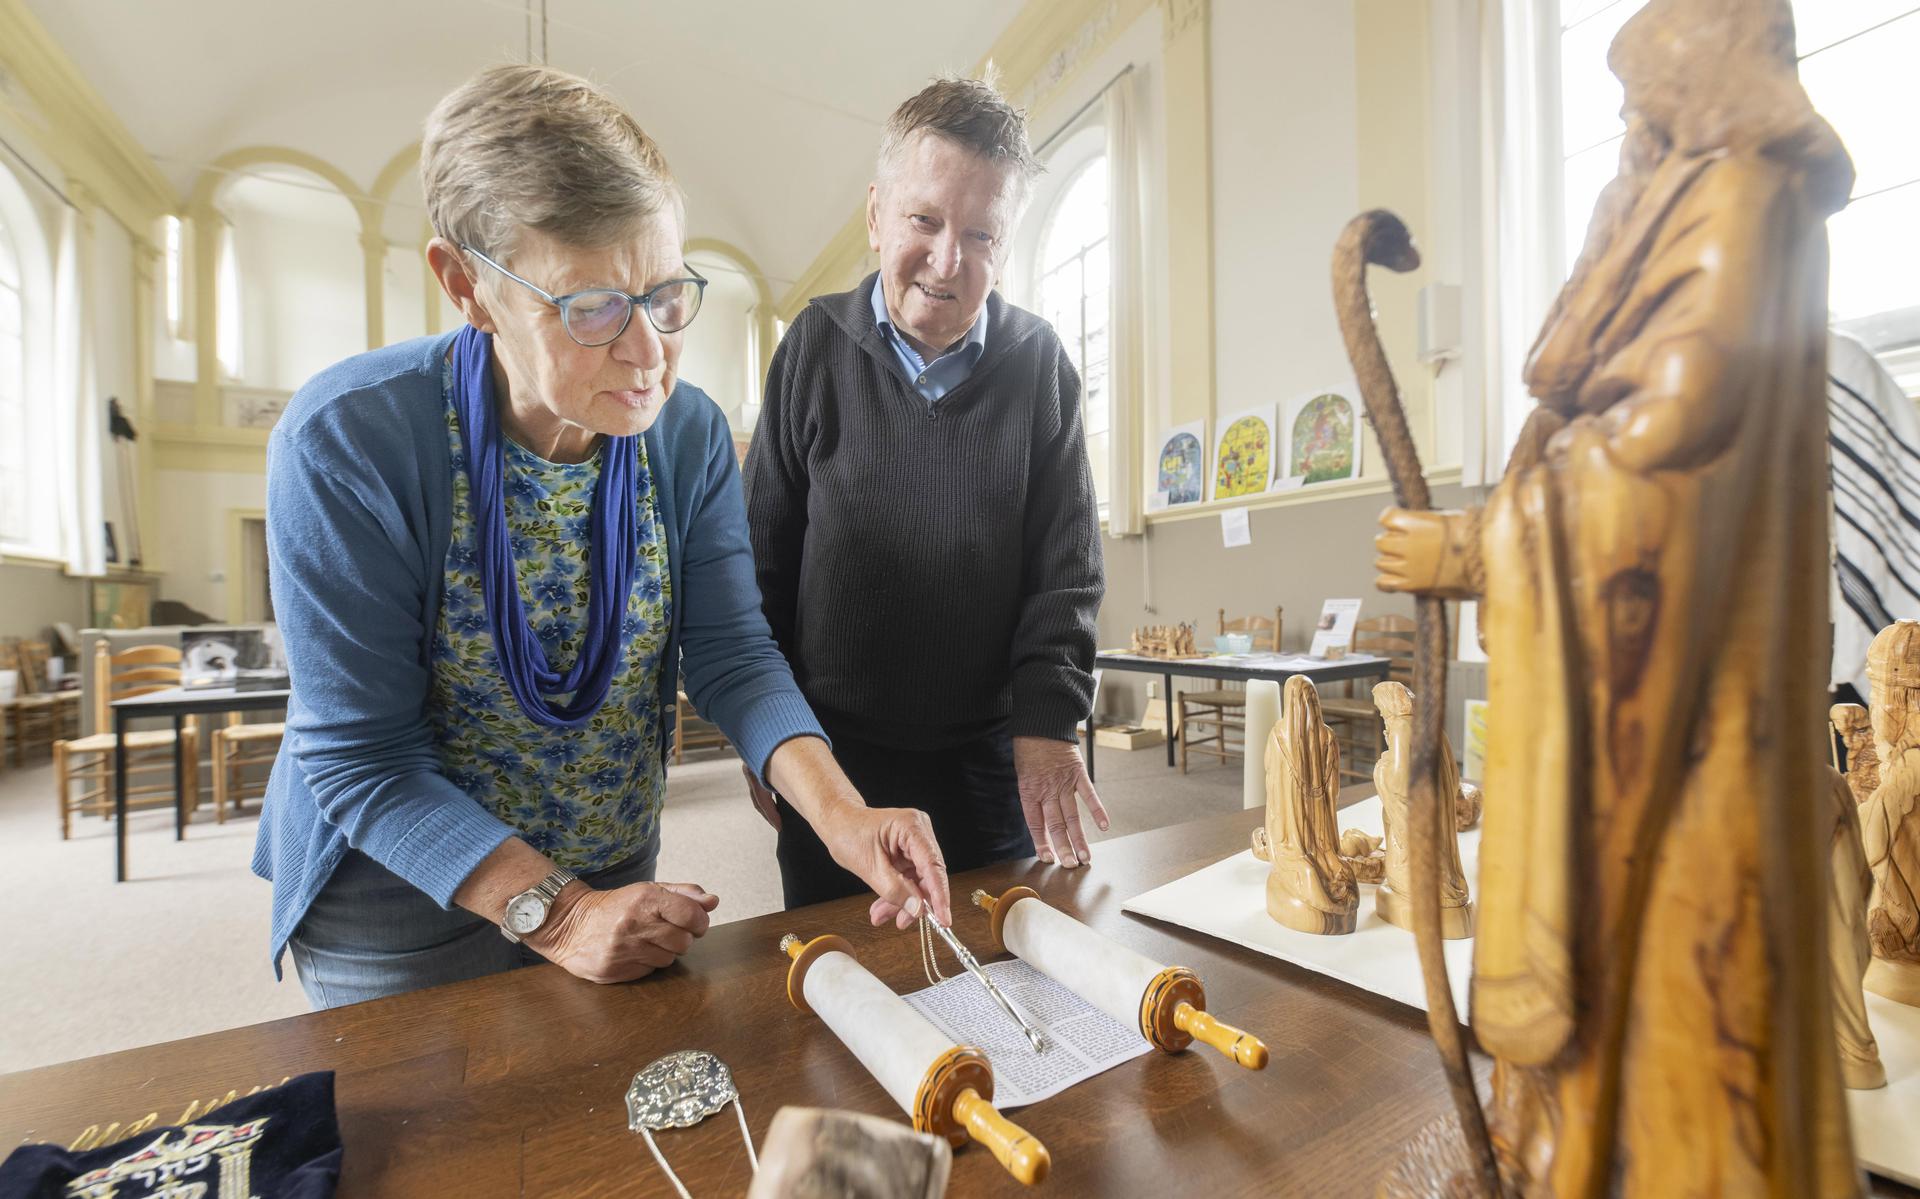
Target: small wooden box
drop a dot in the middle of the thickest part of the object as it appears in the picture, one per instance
(1126, 736)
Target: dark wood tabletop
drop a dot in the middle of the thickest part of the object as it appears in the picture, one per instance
(514, 1085)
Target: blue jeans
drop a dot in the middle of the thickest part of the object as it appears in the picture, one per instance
(370, 933)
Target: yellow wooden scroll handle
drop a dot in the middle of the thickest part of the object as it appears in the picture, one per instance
(1243, 1047)
(1013, 1146)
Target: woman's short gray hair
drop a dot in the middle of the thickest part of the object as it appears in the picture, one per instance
(528, 147)
(970, 113)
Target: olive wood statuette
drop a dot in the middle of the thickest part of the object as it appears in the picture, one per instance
(1392, 778)
(1855, 730)
(1310, 889)
(1652, 572)
(1890, 817)
(1850, 881)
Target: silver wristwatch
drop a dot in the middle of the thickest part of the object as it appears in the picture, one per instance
(527, 911)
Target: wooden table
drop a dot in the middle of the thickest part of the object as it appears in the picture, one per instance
(1228, 669)
(177, 703)
(513, 1085)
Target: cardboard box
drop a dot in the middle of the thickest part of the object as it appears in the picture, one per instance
(1126, 736)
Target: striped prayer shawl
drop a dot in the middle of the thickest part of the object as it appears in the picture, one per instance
(1873, 442)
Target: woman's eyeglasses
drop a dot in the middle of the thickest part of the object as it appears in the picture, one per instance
(597, 316)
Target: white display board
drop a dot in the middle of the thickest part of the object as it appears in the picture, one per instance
(1228, 900)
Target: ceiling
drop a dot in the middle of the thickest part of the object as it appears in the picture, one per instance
(768, 111)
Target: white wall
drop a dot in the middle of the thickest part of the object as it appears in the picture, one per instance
(302, 278)
(194, 538)
(1285, 180)
(714, 357)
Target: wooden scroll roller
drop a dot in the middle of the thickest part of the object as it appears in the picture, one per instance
(1167, 1003)
(946, 1088)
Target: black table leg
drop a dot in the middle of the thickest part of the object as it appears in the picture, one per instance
(119, 797)
(1166, 684)
(1091, 734)
(179, 784)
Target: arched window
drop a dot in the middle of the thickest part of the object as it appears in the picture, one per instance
(1072, 292)
(13, 389)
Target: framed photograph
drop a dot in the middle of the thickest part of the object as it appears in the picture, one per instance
(119, 603)
(211, 656)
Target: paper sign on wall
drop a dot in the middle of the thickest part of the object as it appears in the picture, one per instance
(1335, 626)
(1235, 530)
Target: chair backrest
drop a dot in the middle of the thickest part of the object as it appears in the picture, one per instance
(129, 673)
(1389, 637)
(1265, 633)
(30, 658)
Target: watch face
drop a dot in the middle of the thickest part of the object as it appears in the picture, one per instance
(525, 913)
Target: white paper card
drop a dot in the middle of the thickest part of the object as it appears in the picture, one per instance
(1468, 649)
(1235, 529)
(1085, 1040)
(1335, 627)
(1229, 900)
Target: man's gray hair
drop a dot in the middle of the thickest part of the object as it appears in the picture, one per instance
(972, 114)
(528, 147)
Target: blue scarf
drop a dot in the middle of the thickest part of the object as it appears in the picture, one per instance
(610, 555)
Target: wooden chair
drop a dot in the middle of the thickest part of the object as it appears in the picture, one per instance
(1352, 717)
(33, 717)
(33, 672)
(89, 760)
(236, 747)
(691, 732)
(1209, 719)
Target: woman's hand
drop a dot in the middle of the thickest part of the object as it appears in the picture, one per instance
(893, 850)
(619, 935)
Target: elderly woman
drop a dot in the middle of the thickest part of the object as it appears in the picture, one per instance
(492, 554)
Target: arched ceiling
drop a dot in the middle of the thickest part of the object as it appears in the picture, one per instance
(768, 110)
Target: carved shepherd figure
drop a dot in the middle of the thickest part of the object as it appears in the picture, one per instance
(1310, 887)
(1392, 780)
(1855, 729)
(1652, 568)
(1890, 818)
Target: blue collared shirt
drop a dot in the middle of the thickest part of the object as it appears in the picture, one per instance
(947, 371)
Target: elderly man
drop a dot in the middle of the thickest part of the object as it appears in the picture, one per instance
(923, 515)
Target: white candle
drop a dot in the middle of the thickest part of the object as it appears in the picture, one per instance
(1263, 712)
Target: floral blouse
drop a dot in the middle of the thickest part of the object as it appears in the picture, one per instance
(588, 798)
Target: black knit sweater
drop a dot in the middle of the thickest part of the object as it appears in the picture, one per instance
(929, 569)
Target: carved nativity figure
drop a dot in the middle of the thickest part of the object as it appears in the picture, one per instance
(1392, 779)
(1310, 888)
(1855, 729)
(1850, 882)
(1890, 818)
(1652, 574)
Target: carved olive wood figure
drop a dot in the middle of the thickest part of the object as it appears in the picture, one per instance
(1392, 779)
(1855, 729)
(1364, 854)
(1890, 818)
(1309, 888)
(1652, 568)
(1850, 882)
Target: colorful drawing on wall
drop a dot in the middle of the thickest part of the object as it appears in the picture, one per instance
(1323, 437)
(1183, 466)
(1243, 456)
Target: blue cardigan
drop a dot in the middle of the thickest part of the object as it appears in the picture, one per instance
(359, 517)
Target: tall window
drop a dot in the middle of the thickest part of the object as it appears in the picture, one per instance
(1854, 58)
(1074, 268)
(230, 334)
(14, 436)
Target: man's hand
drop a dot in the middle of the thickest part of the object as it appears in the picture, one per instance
(762, 798)
(1053, 784)
(893, 850)
(619, 935)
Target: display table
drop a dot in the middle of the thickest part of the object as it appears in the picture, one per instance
(513, 1085)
